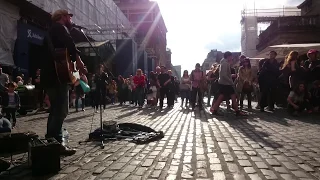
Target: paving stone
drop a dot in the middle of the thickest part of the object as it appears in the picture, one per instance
(249, 170)
(99, 170)
(290, 166)
(108, 174)
(70, 169)
(261, 165)
(219, 175)
(121, 176)
(268, 174)
(306, 167)
(147, 163)
(273, 162)
(254, 177)
(287, 176)
(244, 163)
(281, 170)
(300, 174)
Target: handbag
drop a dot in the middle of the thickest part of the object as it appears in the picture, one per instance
(85, 87)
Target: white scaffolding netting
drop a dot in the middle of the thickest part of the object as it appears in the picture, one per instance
(9, 15)
(92, 14)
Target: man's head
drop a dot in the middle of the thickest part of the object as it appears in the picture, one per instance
(158, 69)
(198, 66)
(228, 56)
(312, 54)
(163, 69)
(272, 55)
(62, 16)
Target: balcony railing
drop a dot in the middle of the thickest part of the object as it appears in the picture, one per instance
(287, 24)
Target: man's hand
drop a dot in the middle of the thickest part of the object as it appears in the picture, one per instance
(80, 64)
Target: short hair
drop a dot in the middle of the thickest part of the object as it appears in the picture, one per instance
(12, 84)
(227, 54)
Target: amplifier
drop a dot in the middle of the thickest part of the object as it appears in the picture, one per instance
(44, 156)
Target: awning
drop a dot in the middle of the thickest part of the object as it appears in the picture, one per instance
(284, 49)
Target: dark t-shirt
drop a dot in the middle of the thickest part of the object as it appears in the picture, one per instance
(163, 78)
(58, 37)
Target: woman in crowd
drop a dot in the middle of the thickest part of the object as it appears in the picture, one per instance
(79, 91)
(112, 87)
(101, 80)
(185, 87)
(297, 101)
(139, 82)
(152, 91)
(244, 83)
(197, 78)
(172, 90)
(122, 90)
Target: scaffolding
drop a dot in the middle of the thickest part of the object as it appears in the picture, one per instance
(249, 25)
(102, 19)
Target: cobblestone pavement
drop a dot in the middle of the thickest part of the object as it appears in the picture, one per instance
(196, 146)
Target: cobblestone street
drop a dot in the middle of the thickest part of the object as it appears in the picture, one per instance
(195, 146)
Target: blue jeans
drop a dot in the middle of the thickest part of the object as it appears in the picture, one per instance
(59, 99)
(185, 95)
(139, 93)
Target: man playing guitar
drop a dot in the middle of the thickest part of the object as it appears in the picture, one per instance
(58, 91)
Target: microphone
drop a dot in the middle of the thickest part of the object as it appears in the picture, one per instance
(77, 26)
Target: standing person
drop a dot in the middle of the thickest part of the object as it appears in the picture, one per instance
(245, 79)
(197, 76)
(172, 90)
(268, 81)
(185, 87)
(39, 89)
(226, 85)
(164, 80)
(122, 88)
(59, 37)
(140, 82)
(79, 92)
(152, 91)
(11, 103)
(101, 80)
(312, 66)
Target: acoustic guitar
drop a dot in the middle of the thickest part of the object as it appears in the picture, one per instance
(63, 65)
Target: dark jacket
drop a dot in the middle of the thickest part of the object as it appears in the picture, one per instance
(5, 99)
(58, 37)
(101, 80)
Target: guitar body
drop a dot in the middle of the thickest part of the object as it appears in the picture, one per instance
(63, 66)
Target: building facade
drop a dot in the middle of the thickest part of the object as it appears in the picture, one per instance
(28, 21)
(149, 26)
(310, 7)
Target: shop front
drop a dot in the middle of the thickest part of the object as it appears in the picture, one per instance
(29, 50)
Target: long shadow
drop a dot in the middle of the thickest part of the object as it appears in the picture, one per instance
(78, 118)
(127, 114)
(250, 131)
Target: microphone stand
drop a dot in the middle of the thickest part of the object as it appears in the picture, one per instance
(101, 62)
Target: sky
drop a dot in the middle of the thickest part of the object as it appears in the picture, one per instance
(197, 26)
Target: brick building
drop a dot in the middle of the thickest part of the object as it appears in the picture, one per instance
(293, 29)
(150, 28)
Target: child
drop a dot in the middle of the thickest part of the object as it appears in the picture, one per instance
(11, 103)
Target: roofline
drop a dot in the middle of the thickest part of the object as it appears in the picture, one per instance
(302, 4)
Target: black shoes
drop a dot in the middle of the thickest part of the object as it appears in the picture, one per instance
(66, 151)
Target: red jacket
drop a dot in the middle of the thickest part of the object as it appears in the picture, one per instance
(139, 81)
